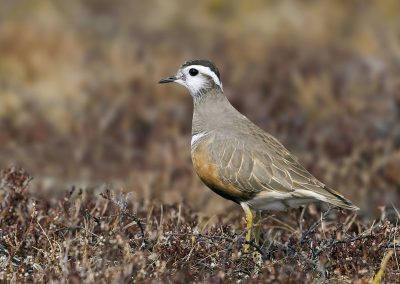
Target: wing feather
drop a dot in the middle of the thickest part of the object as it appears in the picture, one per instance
(262, 163)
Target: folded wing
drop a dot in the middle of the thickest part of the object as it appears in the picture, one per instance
(263, 166)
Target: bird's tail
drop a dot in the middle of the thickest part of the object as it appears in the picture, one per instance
(339, 200)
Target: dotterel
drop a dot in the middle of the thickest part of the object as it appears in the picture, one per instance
(237, 159)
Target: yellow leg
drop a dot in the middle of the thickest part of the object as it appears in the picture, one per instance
(249, 219)
(258, 227)
(256, 254)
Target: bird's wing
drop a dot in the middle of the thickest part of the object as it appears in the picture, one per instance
(262, 163)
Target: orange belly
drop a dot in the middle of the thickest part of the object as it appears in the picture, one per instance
(208, 171)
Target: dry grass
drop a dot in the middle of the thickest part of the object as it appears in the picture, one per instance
(80, 103)
(80, 106)
(107, 237)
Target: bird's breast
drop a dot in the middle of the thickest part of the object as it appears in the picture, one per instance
(207, 168)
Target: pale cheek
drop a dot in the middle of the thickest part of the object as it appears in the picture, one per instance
(196, 84)
(181, 82)
(193, 84)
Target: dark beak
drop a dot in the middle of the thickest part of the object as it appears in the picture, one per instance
(167, 80)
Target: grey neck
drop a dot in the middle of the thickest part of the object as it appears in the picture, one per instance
(212, 111)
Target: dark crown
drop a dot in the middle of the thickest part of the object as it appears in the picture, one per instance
(203, 62)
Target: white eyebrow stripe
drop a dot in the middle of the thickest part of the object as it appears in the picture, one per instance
(206, 70)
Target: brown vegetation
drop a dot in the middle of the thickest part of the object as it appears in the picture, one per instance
(80, 106)
(105, 237)
(80, 103)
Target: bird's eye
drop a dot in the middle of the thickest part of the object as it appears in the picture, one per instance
(193, 72)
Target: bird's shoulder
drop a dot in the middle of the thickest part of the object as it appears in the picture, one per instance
(253, 160)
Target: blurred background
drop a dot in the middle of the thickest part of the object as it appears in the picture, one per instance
(80, 104)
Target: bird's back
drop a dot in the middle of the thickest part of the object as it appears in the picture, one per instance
(241, 162)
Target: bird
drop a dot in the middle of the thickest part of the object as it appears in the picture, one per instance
(237, 159)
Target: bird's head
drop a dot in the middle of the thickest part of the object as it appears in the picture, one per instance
(198, 76)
